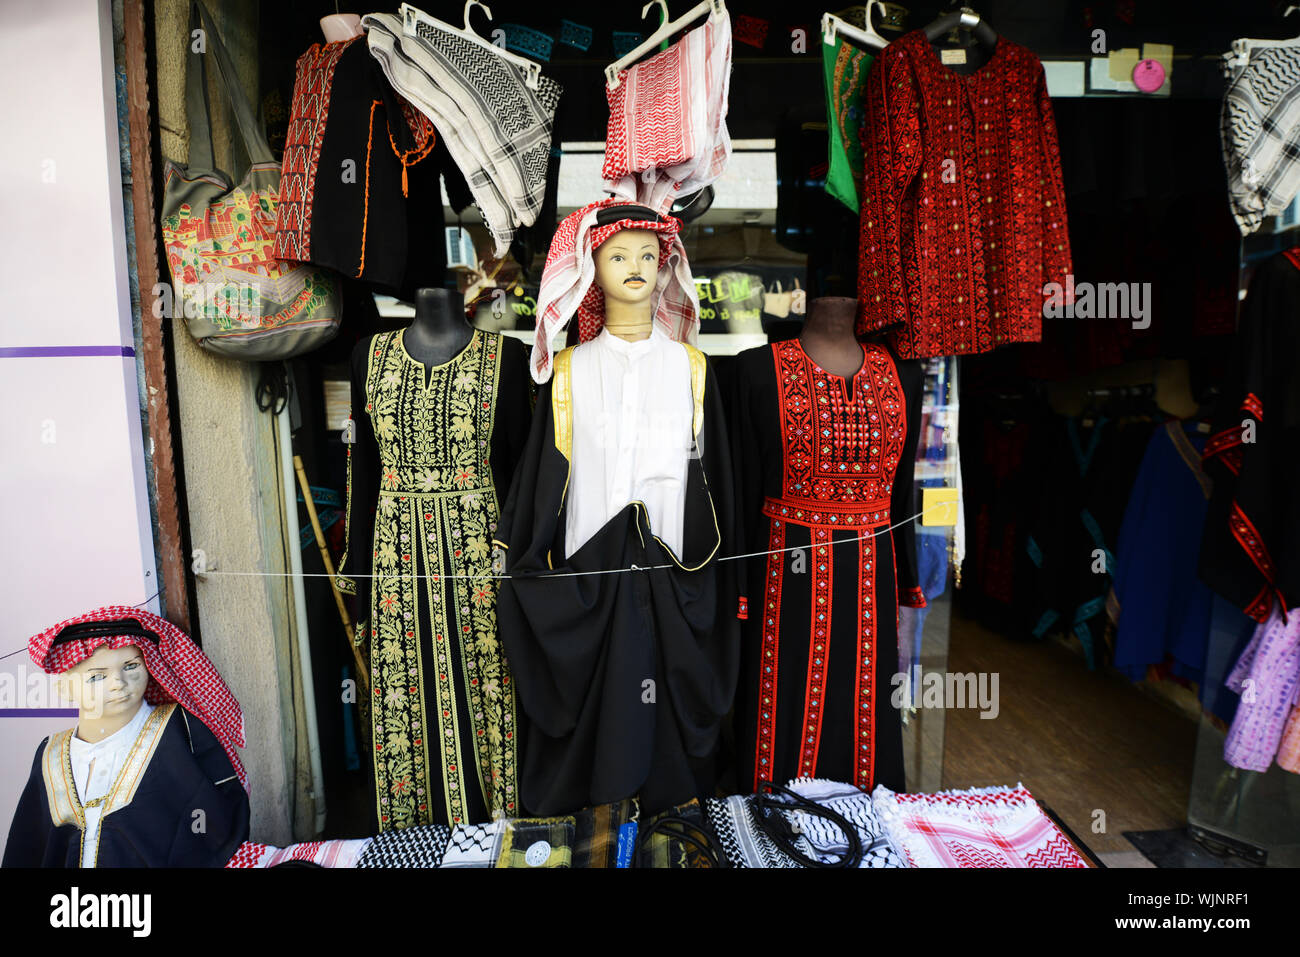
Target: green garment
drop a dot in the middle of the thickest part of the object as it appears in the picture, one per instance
(846, 67)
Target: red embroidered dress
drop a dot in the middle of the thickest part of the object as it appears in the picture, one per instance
(963, 208)
(824, 465)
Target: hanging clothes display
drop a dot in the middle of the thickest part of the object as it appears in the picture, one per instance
(433, 448)
(963, 217)
(128, 799)
(845, 67)
(1247, 553)
(1261, 130)
(496, 128)
(620, 628)
(375, 213)
(824, 467)
(667, 134)
(1159, 606)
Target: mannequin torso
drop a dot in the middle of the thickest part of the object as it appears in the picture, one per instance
(439, 332)
(828, 335)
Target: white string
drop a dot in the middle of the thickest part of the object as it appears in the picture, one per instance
(604, 571)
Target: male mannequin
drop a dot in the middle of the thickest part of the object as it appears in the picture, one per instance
(142, 781)
(618, 624)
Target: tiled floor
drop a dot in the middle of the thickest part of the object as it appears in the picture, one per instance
(1103, 755)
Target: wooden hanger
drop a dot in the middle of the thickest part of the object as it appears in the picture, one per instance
(412, 15)
(666, 29)
(833, 26)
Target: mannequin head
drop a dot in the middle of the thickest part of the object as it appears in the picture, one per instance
(108, 688)
(627, 268)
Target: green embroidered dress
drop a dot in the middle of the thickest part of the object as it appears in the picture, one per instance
(434, 451)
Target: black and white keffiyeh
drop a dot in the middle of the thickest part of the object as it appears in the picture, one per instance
(474, 845)
(1260, 125)
(496, 129)
(744, 842)
(421, 846)
(830, 843)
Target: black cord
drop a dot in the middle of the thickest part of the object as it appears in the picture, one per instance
(272, 388)
(775, 825)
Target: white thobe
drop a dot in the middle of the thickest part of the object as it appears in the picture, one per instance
(632, 417)
(95, 767)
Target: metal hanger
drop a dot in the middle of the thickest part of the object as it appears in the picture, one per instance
(411, 15)
(833, 26)
(666, 29)
(963, 19)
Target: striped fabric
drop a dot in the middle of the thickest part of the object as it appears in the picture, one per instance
(1267, 676)
(1260, 126)
(321, 853)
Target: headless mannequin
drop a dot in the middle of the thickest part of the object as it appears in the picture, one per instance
(440, 331)
(828, 335)
(338, 27)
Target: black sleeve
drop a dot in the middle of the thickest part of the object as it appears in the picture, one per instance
(744, 409)
(514, 414)
(30, 829)
(356, 566)
(221, 798)
(903, 504)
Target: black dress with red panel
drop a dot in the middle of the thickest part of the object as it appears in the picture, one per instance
(824, 466)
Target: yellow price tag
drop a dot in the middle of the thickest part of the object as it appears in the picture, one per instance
(939, 506)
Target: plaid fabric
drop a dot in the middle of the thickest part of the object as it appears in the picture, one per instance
(178, 670)
(1260, 126)
(324, 853)
(662, 849)
(669, 114)
(1267, 676)
(595, 842)
(982, 827)
(538, 842)
(568, 283)
(496, 129)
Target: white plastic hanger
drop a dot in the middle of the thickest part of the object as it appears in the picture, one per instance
(833, 26)
(666, 29)
(1244, 45)
(411, 15)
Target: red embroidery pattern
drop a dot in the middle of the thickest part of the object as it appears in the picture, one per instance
(1253, 405)
(313, 78)
(963, 212)
(843, 440)
(1243, 530)
(771, 639)
(1293, 254)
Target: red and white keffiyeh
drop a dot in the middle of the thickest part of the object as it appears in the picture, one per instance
(568, 282)
(178, 670)
(337, 853)
(667, 135)
(981, 827)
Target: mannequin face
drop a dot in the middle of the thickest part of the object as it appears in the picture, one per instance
(109, 685)
(627, 266)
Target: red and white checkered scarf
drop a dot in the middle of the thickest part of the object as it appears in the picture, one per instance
(178, 670)
(568, 282)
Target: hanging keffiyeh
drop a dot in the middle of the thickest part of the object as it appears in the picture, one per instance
(668, 114)
(495, 127)
(1261, 130)
(178, 670)
(568, 285)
